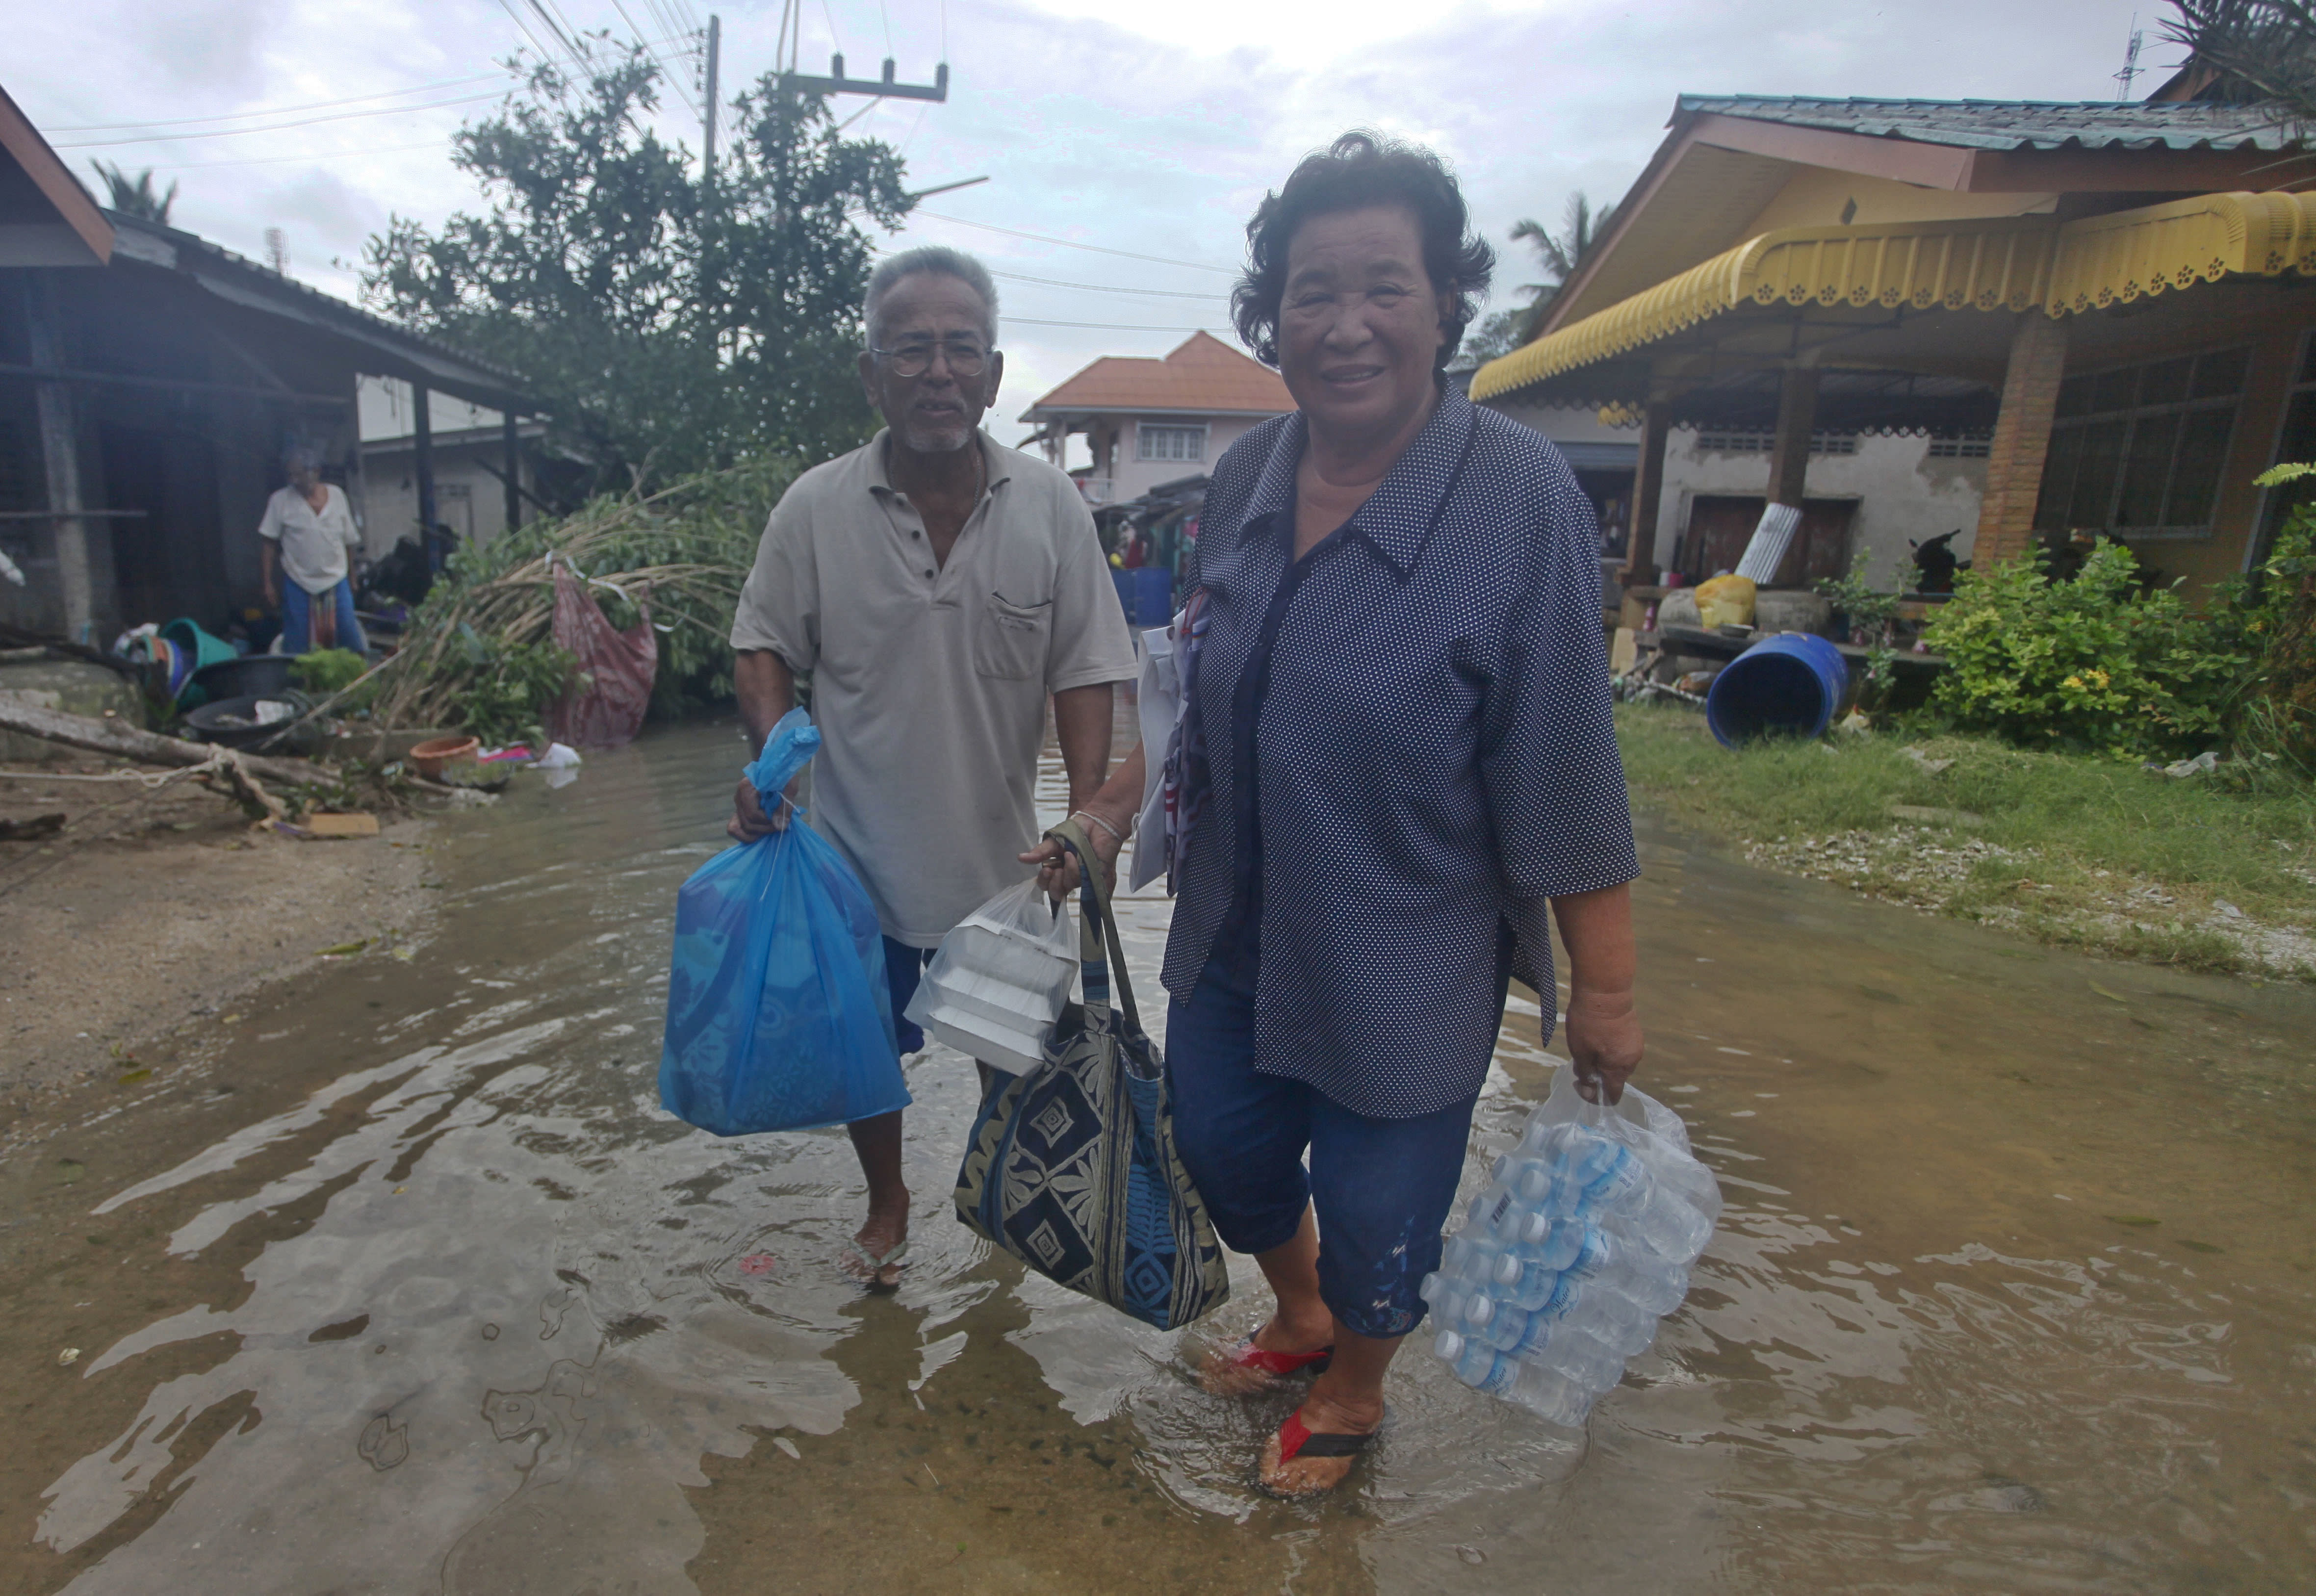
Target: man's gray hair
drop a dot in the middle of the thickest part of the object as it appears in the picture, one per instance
(941, 260)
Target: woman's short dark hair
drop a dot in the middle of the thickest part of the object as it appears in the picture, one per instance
(1360, 170)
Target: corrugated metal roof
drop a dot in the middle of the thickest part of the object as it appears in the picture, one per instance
(1203, 376)
(261, 287)
(2018, 124)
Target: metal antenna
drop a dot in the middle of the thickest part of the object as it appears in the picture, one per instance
(2131, 68)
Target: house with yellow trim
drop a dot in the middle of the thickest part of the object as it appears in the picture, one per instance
(2110, 305)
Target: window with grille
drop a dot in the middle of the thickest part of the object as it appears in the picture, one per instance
(1169, 443)
(1962, 446)
(2138, 450)
(22, 482)
(2297, 442)
(1719, 442)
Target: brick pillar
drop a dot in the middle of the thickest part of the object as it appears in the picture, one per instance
(2022, 437)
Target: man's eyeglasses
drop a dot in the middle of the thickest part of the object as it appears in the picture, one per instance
(914, 360)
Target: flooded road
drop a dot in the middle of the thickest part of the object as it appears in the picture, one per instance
(401, 1282)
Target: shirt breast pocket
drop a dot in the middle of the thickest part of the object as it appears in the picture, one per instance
(1009, 643)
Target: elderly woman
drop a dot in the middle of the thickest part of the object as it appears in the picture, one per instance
(1396, 751)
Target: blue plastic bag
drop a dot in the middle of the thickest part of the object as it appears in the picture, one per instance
(778, 1015)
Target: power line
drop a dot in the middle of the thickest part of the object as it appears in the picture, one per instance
(674, 80)
(1101, 326)
(1074, 244)
(1097, 288)
(325, 155)
(578, 56)
(235, 116)
(278, 127)
(515, 17)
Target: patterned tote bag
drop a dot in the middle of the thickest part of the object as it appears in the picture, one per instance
(1072, 1167)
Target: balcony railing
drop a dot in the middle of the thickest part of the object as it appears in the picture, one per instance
(1098, 490)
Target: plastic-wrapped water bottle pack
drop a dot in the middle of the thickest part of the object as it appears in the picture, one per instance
(1564, 1265)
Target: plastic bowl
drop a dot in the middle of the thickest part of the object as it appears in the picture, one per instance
(428, 759)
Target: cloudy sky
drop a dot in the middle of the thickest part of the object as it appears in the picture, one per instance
(1146, 131)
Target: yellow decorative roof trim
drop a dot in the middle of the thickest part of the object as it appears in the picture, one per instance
(2106, 260)
(1987, 264)
(2004, 263)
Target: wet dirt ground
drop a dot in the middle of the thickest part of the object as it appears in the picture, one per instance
(402, 1283)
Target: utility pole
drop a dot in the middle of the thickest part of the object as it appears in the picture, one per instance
(708, 106)
(836, 83)
(883, 88)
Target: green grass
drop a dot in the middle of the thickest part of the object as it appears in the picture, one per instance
(2054, 823)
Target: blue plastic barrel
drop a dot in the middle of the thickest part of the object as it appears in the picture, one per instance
(1153, 596)
(1124, 580)
(1789, 685)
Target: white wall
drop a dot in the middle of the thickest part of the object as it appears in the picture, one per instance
(1902, 492)
(385, 408)
(1136, 477)
(470, 499)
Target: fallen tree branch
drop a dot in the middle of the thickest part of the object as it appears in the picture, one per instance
(258, 804)
(126, 742)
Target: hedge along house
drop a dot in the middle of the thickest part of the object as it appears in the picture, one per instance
(2116, 299)
(149, 381)
(1149, 422)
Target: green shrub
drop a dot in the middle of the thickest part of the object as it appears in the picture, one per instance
(326, 671)
(506, 685)
(2093, 664)
(2273, 619)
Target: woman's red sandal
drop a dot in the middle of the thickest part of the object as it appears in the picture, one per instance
(1247, 1369)
(1247, 1355)
(1296, 1442)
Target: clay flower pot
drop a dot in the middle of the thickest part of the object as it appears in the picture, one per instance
(428, 759)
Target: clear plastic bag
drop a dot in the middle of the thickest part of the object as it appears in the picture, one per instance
(779, 1016)
(997, 982)
(1562, 1266)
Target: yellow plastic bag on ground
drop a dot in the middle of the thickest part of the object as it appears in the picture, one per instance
(1726, 601)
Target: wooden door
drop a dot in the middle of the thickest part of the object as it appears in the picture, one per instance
(1720, 525)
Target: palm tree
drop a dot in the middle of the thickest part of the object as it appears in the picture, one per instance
(1507, 329)
(137, 196)
(2260, 50)
(1581, 230)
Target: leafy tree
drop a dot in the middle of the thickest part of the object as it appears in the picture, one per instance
(669, 326)
(136, 196)
(1558, 254)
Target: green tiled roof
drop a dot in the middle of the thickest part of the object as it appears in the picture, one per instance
(2019, 124)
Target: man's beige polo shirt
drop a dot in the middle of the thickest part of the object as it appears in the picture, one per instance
(929, 682)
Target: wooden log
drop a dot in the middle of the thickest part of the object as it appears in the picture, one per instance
(126, 742)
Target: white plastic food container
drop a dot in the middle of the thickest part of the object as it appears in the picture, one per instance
(998, 982)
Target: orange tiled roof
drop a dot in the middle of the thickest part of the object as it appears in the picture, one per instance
(1205, 375)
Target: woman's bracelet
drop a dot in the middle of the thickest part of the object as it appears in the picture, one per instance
(1098, 820)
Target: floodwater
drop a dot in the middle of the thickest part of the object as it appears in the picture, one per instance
(401, 1282)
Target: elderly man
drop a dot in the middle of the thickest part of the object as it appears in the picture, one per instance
(939, 587)
(309, 533)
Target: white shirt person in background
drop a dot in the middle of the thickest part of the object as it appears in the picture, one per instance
(309, 532)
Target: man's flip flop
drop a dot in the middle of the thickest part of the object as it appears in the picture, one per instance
(1296, 1440)
(871, 1268)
